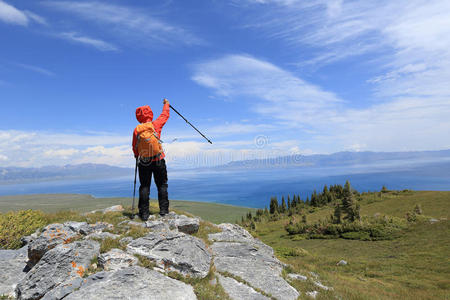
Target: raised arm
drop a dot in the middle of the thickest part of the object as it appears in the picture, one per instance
(164, 116)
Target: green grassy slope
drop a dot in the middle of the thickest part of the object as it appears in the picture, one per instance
(213, 212)
(414, 266)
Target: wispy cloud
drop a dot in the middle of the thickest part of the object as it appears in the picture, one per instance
(129, 23)
(36, 18)
(88, 41)
(409, 40)
(236, 75)
(403, 123)
(35, 69)
(10, 14)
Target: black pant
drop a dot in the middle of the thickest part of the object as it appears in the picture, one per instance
(159, 170)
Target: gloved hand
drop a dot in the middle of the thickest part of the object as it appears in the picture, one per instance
(165, 101)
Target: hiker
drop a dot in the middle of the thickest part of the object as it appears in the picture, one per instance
(150, 158)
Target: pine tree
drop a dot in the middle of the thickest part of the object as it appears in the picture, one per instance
(348, 203)
(273, 205)
(283, 205)
(289, 204)
(266, 211)
(294, 201)
(314, 199)
(337, 214)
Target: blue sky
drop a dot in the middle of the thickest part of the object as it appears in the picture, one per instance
(261, 78)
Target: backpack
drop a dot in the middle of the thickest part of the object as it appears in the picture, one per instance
(148, 144)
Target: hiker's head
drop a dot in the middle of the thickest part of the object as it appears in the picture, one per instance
(144, 114)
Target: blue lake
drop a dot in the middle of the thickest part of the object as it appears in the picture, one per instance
(253, 188)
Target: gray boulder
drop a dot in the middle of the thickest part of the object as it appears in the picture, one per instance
(51, 236)
(78, 227)
(342, 263)
(157, 225)
(60, 268)
(116, 259)
(238, 253)
(297, 277)
(174, 251)
(235, 233)
(12, 264)
(132, 283)
(185, 224)
(237, 290)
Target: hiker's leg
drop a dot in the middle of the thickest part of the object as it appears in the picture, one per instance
(145, 178)
(160, 173)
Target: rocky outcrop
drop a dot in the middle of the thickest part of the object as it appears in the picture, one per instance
(61, 254)
(132, 283)
(174, 251)
(51, 236)
(12, 264)
(63, 266)
(237, 253)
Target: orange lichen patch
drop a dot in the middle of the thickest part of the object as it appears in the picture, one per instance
(79, 269)
(66, 241)
(76, 252)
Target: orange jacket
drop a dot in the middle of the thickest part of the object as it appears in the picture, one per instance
(144, 114)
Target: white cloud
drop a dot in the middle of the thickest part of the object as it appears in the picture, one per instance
(3, 157)
(329, 124)
(10, 14)
(36, 69)
(36, 18)
(407, 41)
(131, 24)
(282, 92)
(96, 43)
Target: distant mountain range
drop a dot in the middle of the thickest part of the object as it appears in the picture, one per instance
(342, 159)
(81, 171)
(10, 175)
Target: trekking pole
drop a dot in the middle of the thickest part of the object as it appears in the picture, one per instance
(190, 124)
(134, 189)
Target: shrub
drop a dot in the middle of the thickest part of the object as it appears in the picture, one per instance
(14, 225)
(368, 228)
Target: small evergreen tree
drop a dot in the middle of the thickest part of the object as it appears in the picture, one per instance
(289, 204)
(384, 189)
(266, 211)
(304, 219)
(283, 205)
(348, 202)
(337, 214)
(273, 205)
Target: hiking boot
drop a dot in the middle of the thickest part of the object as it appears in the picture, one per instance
(144, 216)
(163, 212)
